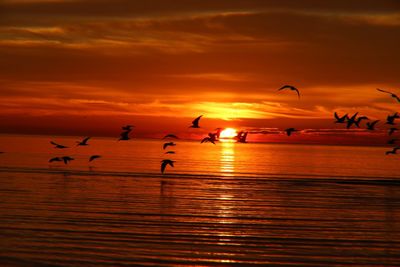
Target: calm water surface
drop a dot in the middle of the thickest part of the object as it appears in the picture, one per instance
(274, 205)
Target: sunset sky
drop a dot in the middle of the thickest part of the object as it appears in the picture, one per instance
(79, 67)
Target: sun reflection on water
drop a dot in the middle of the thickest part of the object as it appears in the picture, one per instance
(227, 159)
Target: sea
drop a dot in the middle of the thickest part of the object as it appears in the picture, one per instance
(228, 204)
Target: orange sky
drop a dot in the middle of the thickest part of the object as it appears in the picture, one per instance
(85, 68)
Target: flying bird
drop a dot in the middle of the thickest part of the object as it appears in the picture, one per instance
(291, 87)
(371, 125)
(195, 122)
(94, 157)
(164, 164)
(208, 139)
(289, 131)
(351, 120)
(390, 118)
(57, 145)
(390, 93)
(392, 130)
(83, 142)
(394, 151)
(55, 159)
(168, 144)
(170, 136)
(340, 119)
(170, 152)
(66, 159)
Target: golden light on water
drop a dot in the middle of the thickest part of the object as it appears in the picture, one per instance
(227, 159)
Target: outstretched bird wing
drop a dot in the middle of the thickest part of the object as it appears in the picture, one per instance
(94, 157)
(284, 87)
(54, 159)
(54, 143)
(85, 140)
(168, 144)
(384, 91)
(336, 116)
(195, 122)
(297, 91)
(171, 136)
(166, 162)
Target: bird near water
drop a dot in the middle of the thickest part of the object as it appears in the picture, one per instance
(83, 142)
(340, 119)
(66, 159)
(124, 136)
(241, 137)
(168, 144)
(351, 120)
(208, 139)
(394, 151)
(291, 87)
(164, 164)
(289, 131)
(57, 145)
(390, 118)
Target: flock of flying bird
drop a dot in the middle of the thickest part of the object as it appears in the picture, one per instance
(242, 135)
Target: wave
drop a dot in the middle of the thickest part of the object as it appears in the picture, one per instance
(236, 176)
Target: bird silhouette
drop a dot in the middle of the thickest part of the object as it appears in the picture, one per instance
(291, 87)
(390, 118)
(218, 132)
(195, 122)
(164, 164)
(170, 136)
(394, 151)
(168, 144)
(390, 93)
(241, 137)
(359, 119)
(340, 119)
(55, 159)
(371, 125)
(57, 145)
(170, 152)
(124, 136)
(351, 120)
(392, 130)
(289, 131)
(208, 139)
(66, 159)
(94, 157)
(83, 142)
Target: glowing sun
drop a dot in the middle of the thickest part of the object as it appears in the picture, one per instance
(228, 133)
